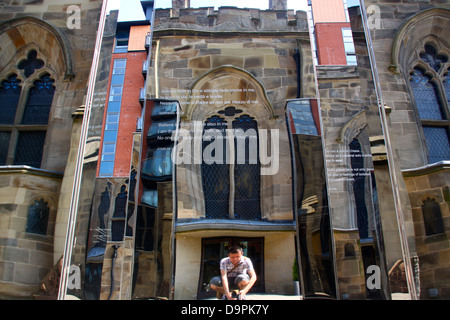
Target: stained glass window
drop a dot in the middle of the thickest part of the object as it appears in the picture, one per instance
(10, 90)
(447, 86)
(217, 178)
(24, 118)
(438, 144)
(39, 101)
(431, 103)
(426, 95)
(216, 175)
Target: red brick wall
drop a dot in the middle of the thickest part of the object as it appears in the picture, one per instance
(330, 44)
(130, 110)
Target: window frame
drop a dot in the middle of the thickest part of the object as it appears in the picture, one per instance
(17, 126)
(437, 79)
(350, 55)
(112, 118)
(227, 122)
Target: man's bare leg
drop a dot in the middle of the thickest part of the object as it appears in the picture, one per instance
(220, 291)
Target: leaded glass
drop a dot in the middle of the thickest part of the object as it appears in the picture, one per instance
(30, 145)
(216, 176)
(4, 145)
(246, 174)
(437, 143)
(426, 96)
(431, 57)
(38, 214)
(39, 101)
(9, 98)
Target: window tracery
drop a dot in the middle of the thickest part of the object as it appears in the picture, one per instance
(25, 110)
(430, 87)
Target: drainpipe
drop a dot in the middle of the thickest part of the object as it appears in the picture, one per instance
(297, 58)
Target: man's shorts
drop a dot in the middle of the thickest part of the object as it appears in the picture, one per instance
(232, 281)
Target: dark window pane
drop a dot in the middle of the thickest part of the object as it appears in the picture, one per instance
(39, 102)
(9, 98)
(117, 230)
(4, 145)
(216, 175)
(246, 170)
(31, 63)
(38, 214)
(432, 217)
(30, 145)
(145, 223)
(437, 143)
(426, 96)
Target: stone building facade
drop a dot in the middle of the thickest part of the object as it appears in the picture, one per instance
(411, 53)
(227, 65)
(44, 70)
(349, 177)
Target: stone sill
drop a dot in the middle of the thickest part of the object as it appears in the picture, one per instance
(11, 169)
(428, 169)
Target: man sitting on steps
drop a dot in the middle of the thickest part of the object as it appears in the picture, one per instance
(236, 273)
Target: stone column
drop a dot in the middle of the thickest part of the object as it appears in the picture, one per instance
(277, 4)
(179, 4)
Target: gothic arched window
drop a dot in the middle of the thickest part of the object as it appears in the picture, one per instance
(24, 113)
(431, 95)
(231, 187)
